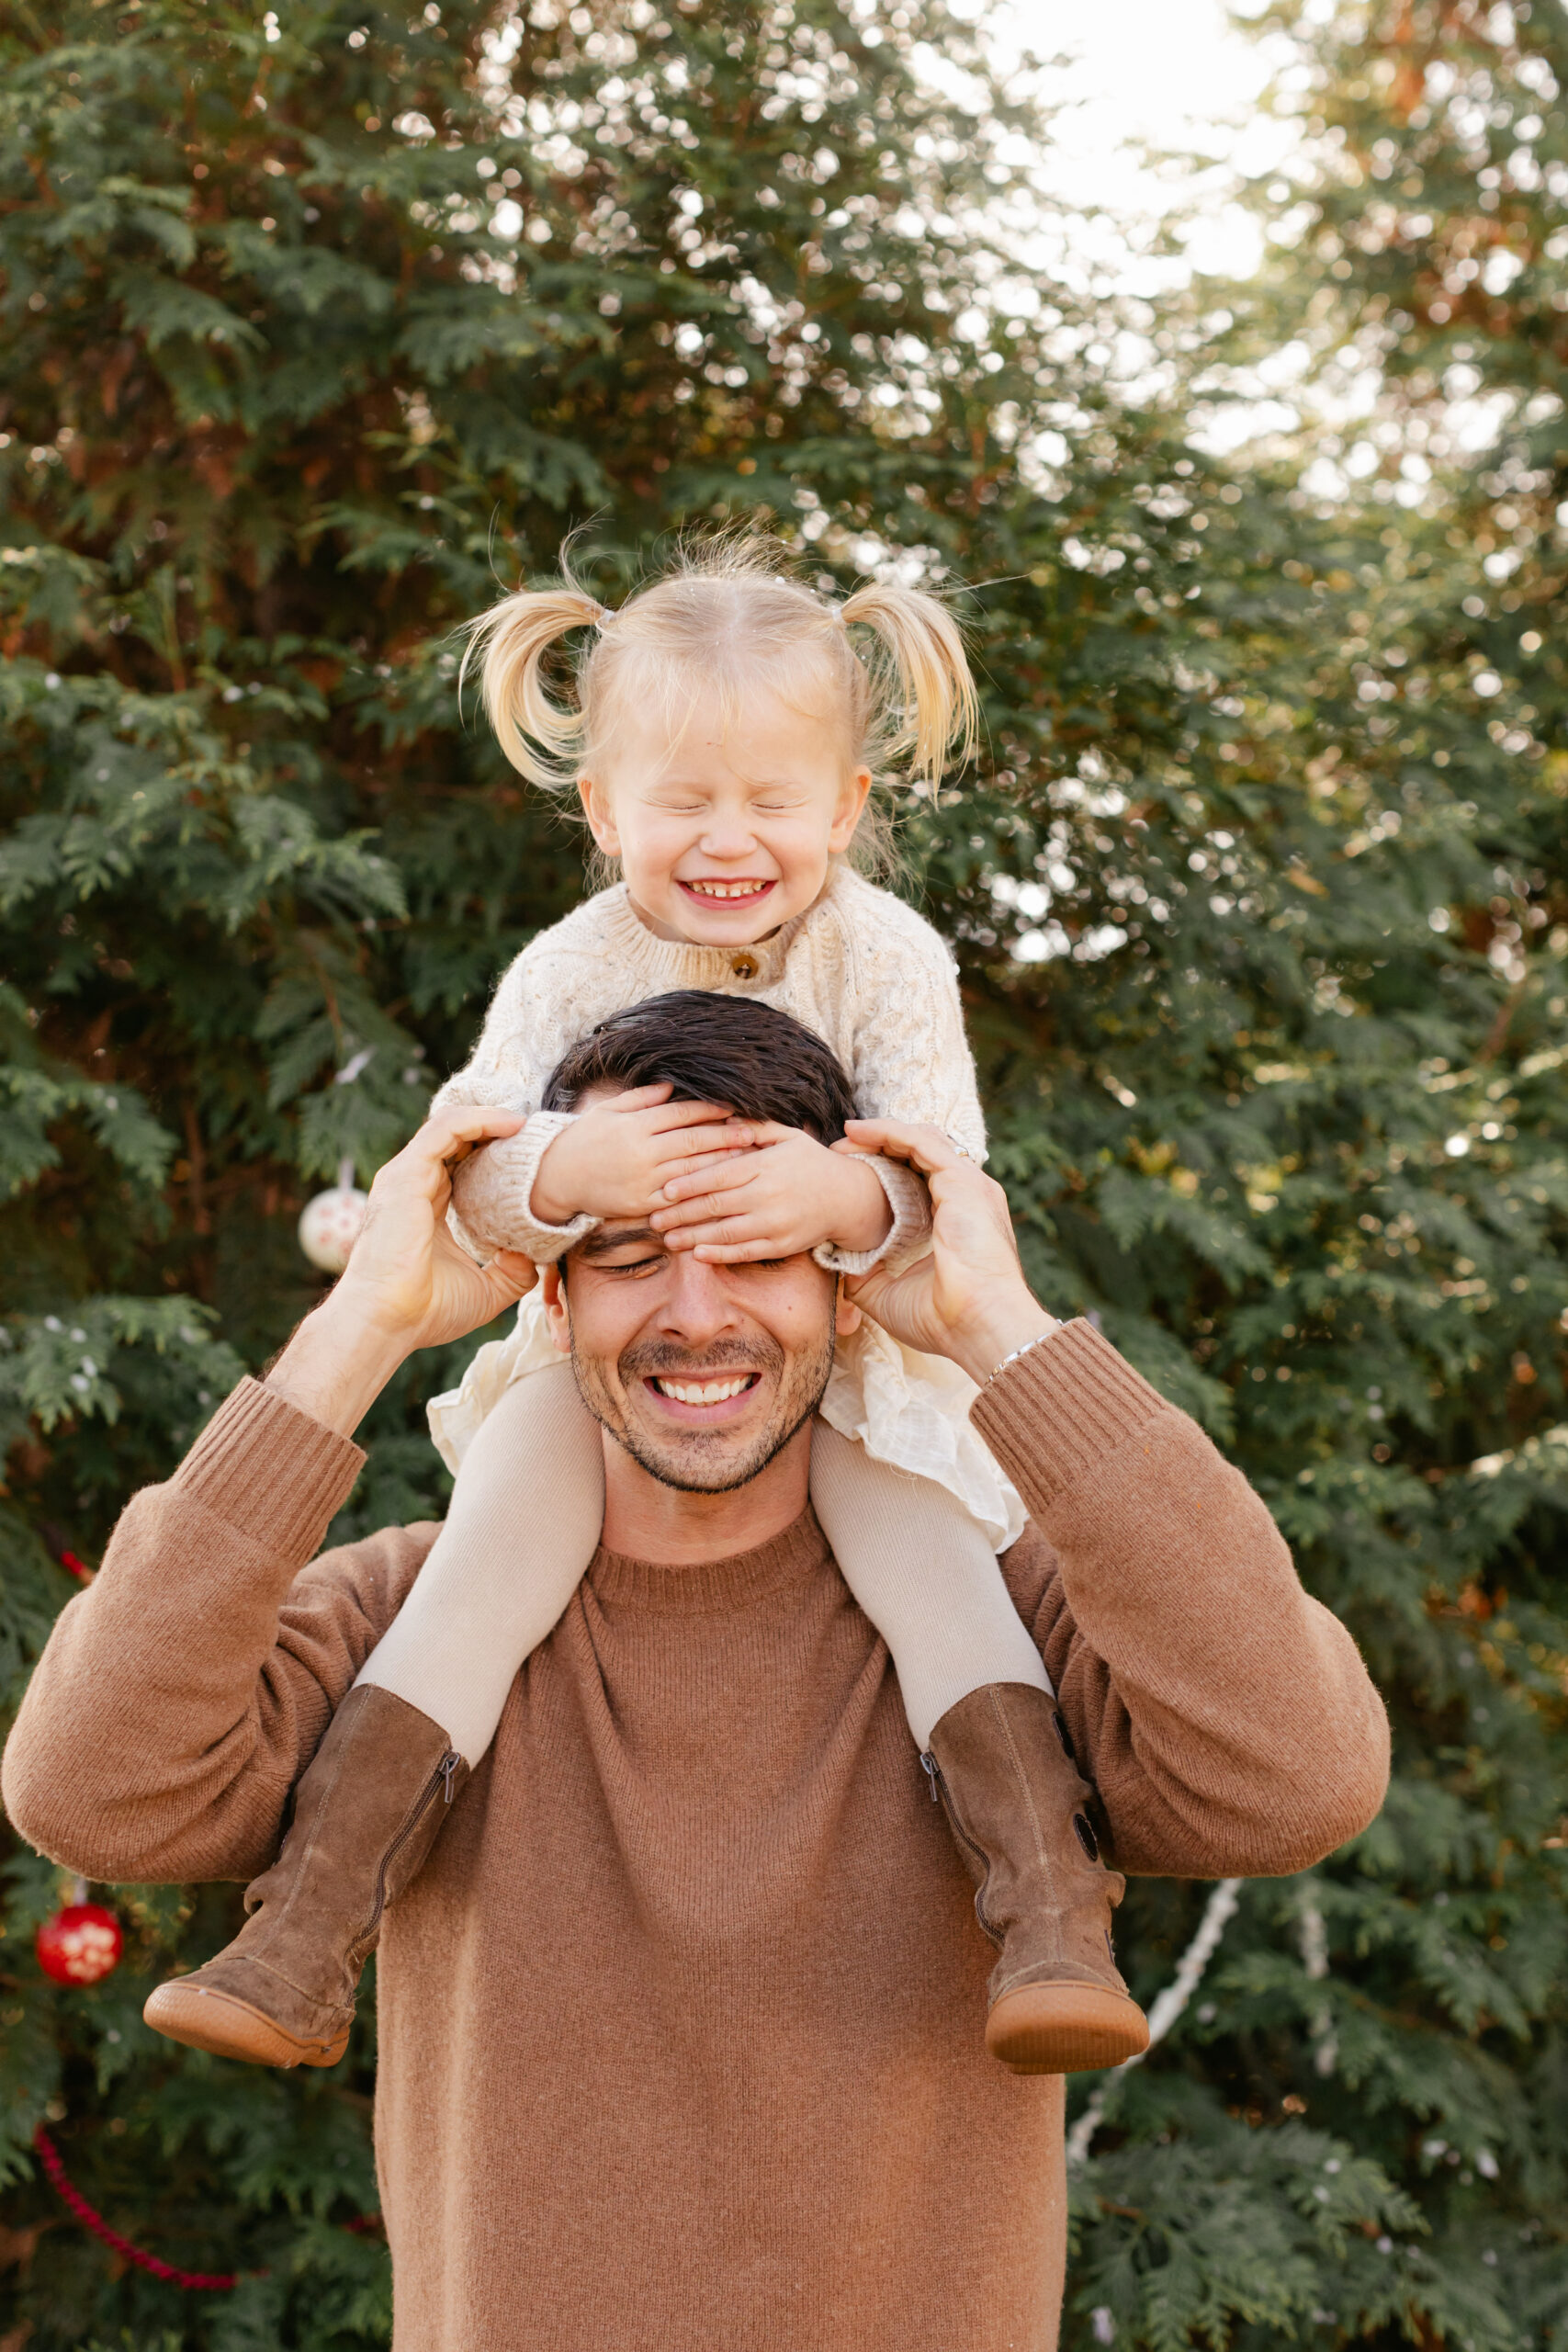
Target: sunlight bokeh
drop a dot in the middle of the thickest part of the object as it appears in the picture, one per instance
(1179, 77)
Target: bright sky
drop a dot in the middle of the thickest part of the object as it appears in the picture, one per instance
(1161, 74)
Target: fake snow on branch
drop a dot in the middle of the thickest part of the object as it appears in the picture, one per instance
(1166, 2008)
(1315, 1959)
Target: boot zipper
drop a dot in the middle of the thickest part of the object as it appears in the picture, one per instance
(933, 1770)
(440, 1778)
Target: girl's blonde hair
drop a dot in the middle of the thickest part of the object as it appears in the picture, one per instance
(726, 613)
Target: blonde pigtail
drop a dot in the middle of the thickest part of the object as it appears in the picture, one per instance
(923, 648)
(511, 642)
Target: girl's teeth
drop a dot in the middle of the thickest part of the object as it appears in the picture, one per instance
(727, 889)
(702, 1392)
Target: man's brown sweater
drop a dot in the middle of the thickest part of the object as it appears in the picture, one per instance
(681, 2026)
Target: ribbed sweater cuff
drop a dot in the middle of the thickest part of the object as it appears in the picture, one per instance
(271, 1472)
(492, 1196)
(1060, 1408)
(909, 1199)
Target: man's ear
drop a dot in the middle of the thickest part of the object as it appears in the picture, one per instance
(846, 1315)
(596, 807)
(558, 1309)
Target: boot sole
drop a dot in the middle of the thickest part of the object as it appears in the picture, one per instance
(215, 2022)
(1065, 2028)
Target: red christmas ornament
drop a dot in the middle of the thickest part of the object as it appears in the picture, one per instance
(81, 1945)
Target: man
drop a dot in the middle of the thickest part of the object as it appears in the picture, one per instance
(680, 2026)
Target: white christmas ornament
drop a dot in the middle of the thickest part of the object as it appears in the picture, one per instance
(329, 1226)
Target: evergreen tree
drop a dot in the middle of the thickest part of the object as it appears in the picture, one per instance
(318, 320)
(1423, 245)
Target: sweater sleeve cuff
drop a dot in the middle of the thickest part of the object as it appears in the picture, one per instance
(271, 1472)
(1059, 1408)
(908, 1197)
(492, 1196)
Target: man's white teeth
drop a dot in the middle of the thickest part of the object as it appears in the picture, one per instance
(727, 889)
(703, 1392)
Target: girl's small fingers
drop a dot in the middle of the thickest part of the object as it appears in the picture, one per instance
(689, 1214)
(738, 1253)
(692, 1172)
(642, 1098)
(689, 1146)
(723, 1233)
(674, 1115)
(723, 1173)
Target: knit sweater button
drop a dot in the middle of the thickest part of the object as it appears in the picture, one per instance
(745, 967)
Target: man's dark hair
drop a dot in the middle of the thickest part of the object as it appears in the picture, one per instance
(763, 1063)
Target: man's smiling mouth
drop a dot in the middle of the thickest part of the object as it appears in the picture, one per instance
(705, 1392)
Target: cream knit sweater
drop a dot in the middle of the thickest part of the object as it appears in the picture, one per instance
(858, 967)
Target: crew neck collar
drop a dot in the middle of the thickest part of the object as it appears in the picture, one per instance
(685, 962)
(706, 1586)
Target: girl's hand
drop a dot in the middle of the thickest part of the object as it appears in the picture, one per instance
(614, 1158)
(786, 1195)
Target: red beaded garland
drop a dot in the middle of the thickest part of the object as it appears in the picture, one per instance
(208, 2281)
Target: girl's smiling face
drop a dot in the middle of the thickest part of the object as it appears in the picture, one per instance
(726, 831)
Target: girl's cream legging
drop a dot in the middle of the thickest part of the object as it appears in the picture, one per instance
(524, 1522)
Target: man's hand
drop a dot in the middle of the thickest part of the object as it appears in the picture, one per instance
(968, 1299)
(786, 1195)
(408, 1285)
(617, 1156)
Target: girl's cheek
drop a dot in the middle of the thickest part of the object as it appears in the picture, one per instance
(801, 842)
(653, 850)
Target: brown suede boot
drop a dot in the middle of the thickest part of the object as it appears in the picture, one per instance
(366, 1814)
(1003, 1762)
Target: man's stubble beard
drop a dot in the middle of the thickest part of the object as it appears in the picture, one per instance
(796, 1396)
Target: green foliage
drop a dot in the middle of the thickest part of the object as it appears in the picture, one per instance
(315, 324)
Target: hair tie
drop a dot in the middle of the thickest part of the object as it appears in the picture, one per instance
(603, 617)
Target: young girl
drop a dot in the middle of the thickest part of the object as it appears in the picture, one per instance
(723, 742)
